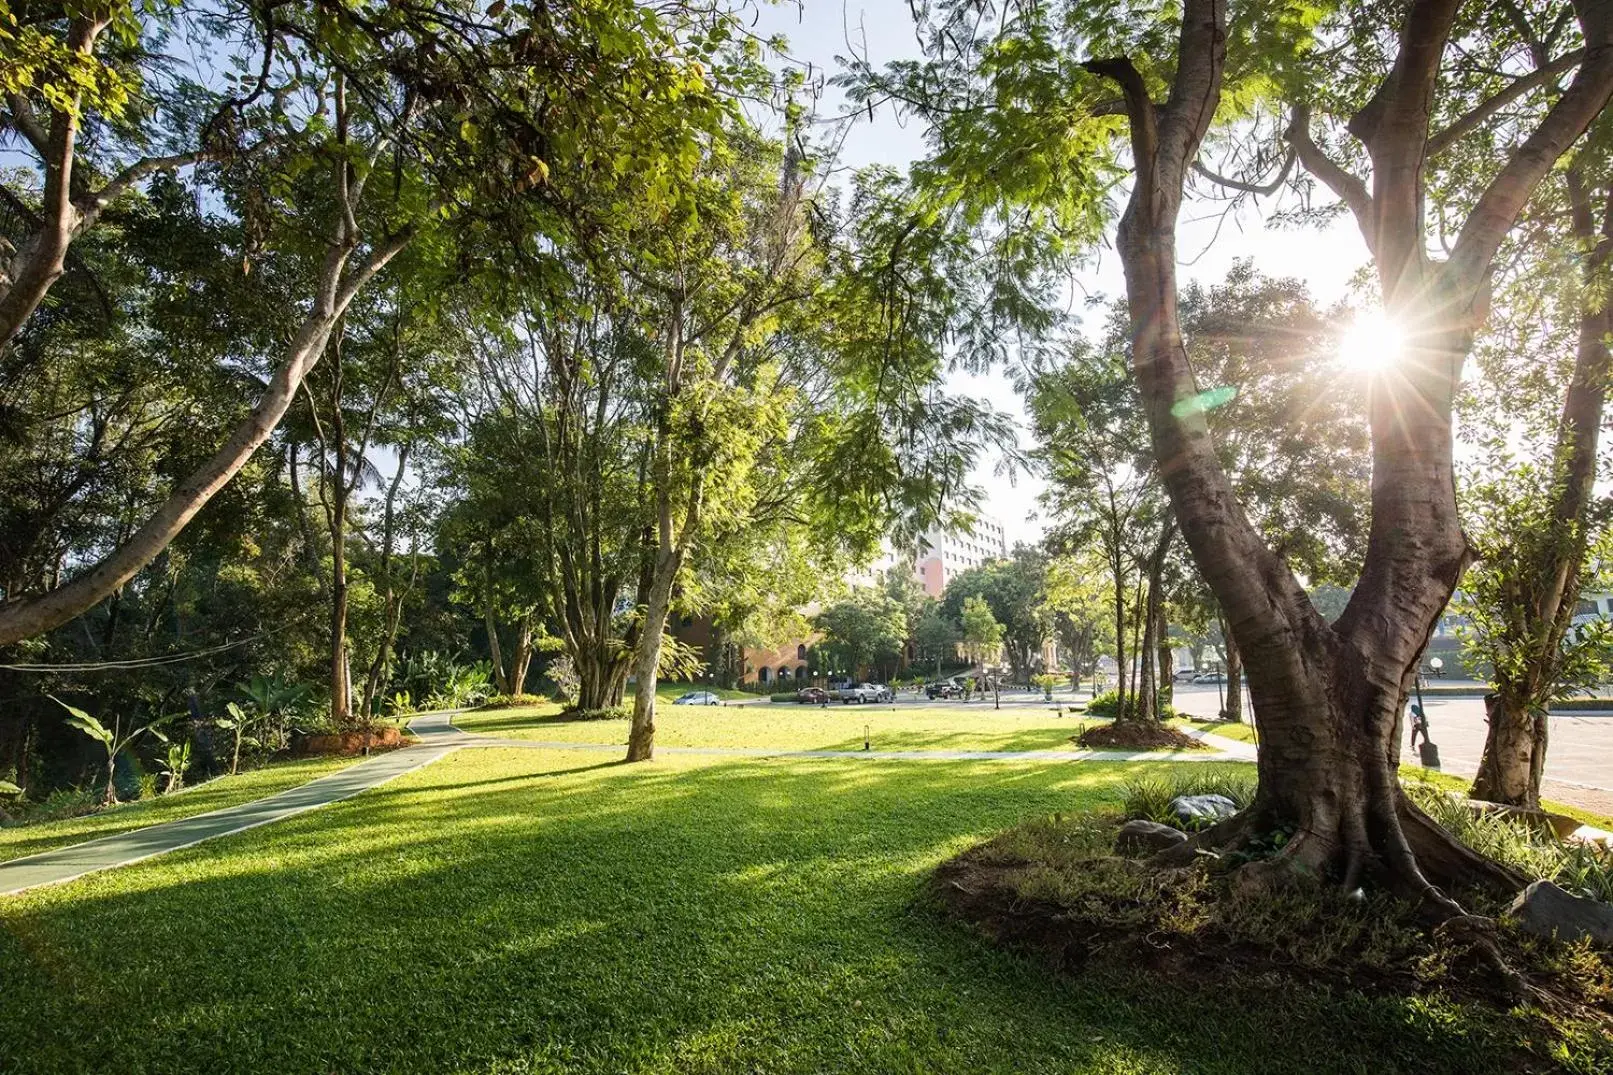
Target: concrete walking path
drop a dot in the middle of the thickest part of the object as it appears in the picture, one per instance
(438, 728)
(439, 737)
(69, 863)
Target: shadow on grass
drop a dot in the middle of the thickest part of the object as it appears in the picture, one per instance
(514, 910)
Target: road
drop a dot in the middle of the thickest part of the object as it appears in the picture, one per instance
(1579, 761)
(1579, 757)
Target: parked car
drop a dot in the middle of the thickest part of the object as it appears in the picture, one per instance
(862, 693)
(943, 688)
(1210, 677)
(811, 696)
(698, 698)
(1186, 675)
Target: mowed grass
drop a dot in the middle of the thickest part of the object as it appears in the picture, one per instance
(786, 726)
(519, 911)
(1241, 732)
(20, 840)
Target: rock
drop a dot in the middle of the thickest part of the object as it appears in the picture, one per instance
(1202, 809)
(1544, 909)
(1147, 837)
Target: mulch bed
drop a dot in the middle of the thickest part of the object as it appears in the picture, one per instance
(1136, 735)
(348, 743)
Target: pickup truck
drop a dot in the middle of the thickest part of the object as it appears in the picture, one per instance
(863, 693)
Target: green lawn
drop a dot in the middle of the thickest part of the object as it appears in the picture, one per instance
(1243, 733)
(198, 799)
(525, 911)
(803, 727)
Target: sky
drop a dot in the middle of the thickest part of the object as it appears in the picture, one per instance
(882, 30)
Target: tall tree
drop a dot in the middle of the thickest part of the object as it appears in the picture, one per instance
(1534, 521)
(1327, 697)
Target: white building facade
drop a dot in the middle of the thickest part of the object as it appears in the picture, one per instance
(942, 555)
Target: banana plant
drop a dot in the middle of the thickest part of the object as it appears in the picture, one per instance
(175, 764)
(240, 722)
(114, 739)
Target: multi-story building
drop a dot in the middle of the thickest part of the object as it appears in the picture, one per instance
(943, 555)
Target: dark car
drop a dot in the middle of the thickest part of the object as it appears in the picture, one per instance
(811, 696)
(943, 688)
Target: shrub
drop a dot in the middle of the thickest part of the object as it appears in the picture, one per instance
(1150, 798)
(787, 696)
(61, 803)
(1573, 705)
(1584, 869)
(512, 701)
(1107, 704)
(615, 712)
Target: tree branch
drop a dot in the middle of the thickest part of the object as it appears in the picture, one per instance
(1498, 207)
(1342, 182)
(1470, 121)
(1247, 187)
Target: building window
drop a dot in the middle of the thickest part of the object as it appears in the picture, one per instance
(800, 652)
(761, 675)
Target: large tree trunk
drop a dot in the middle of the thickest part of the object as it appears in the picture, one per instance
(1154, 651)
(340, 703)
(600, 675)
(647, 658)
(1148, 688)
(1117, 568)
(1514, 751)
(1234, 673)
(521, 659)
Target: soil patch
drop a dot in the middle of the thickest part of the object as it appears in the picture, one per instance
(348, 743)
(1137, 735)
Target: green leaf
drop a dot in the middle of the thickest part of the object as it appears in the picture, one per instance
(85, 723)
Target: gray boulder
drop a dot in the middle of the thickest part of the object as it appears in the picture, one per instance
(1202, 809)
(1147, 837)
(1544, 909)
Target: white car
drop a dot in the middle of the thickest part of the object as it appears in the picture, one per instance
(862, 693)
(698, 698)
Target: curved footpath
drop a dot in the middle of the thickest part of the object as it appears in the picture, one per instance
(439, 737)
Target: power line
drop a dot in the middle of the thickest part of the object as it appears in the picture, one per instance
(141, 662)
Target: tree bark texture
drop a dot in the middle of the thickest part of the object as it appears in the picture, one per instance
(647, 658)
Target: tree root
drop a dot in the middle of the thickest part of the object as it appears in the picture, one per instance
(1478, 932)
(1446, 862)
(1225, 835)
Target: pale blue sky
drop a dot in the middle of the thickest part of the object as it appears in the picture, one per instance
(818, 31)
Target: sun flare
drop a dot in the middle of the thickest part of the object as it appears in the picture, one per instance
(1372, 343)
